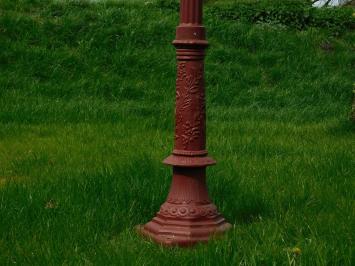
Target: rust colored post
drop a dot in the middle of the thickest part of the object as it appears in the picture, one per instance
(188, 215)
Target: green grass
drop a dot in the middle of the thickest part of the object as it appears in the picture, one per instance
(86, 116)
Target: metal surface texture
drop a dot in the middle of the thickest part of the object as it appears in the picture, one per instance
(188, 216)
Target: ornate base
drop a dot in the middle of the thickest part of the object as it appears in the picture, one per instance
(188, 216)
(178, 231)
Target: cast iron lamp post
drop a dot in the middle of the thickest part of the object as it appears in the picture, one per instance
(188, 215)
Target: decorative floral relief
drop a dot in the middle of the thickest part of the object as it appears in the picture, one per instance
(188, 92)
(188, 83)
(191, 132)
(179, 120)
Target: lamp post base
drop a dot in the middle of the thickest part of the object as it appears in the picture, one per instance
(170, 232)
(188, 216)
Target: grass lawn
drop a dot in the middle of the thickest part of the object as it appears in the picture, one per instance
(86, 117)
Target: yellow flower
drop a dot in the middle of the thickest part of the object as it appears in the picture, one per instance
(296, 251)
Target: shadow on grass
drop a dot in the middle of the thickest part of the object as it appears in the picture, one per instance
(251, 208)
(342, 128)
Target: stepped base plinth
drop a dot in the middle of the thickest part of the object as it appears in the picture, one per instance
(184, 224)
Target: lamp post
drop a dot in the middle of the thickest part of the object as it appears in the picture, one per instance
(188, 216)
